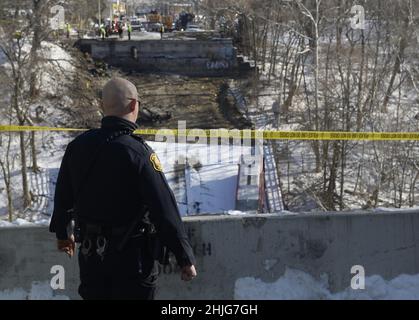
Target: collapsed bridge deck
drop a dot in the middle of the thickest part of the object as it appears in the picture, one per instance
(213, 57)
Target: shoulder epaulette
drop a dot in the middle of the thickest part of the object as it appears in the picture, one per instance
(142, 140)
(138, 138)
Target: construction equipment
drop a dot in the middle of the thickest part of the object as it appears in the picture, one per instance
(167, 22)
(154, 18)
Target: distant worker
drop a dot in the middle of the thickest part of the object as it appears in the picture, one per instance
(161, 31)
(113, 184)
(68, 29)
(129, 30)
(102, 31)
(18, 35)
(120, 30)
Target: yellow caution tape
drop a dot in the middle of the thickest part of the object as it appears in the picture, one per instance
(34, 128)
(248, 134)
(284, 135)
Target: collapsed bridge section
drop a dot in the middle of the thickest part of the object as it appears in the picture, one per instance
(212, 57)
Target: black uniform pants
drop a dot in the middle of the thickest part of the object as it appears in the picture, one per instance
(129, 275)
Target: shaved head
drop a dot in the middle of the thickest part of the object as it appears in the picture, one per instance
(118, 96)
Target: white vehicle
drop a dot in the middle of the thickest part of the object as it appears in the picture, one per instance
(154, 27)
(142, 18)
(136, 25)
(193, 28)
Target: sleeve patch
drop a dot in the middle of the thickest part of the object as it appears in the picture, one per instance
(156, 162)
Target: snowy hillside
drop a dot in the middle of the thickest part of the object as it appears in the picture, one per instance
(51, 108)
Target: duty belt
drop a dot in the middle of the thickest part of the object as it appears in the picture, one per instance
(95, 238)
(89, 229)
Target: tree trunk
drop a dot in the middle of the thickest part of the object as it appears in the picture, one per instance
(360, 111)
(36, 44)
(397, 64)
(331, 189)
(35, 167)
(10, 208)
(5, 168)
(316, 86)
(26, 195)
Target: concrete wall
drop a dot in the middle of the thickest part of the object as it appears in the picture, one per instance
(249, 185)
(188, 57)
(229, 247)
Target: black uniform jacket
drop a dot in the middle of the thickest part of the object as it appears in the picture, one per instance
(125, 176)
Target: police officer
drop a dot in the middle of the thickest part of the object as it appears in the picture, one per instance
(102, 31)
(129, 29)
(68, 29)
(120, 30)
(161, 31)
(113, 184)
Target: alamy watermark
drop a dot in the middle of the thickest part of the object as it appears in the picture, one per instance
(58, 280)
(358, 18)
(192, 146)
(57, 22)
(358, 280)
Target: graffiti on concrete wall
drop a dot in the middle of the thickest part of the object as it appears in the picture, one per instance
(217, 65)
(200, 249)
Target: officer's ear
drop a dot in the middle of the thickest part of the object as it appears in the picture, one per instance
(132, 105)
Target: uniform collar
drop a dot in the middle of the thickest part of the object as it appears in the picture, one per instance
(116, 123)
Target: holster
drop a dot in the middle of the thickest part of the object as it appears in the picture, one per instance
(157, 249)
(164, 257)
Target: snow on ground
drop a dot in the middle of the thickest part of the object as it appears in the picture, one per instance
(51, 148)
(235, 213)
(298, 285)
(212, 188)
(381, 209)
(38, 291)
(208, 183)
(56, 53)
(17, 222)
(57, 67)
